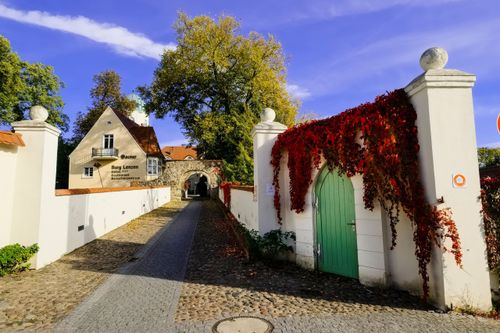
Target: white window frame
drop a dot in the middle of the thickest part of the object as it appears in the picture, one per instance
(152, 166)
(88, 172)
(105, 138)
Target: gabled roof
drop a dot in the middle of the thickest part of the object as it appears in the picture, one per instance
(11, 138)
(179, 153)
(145, 136)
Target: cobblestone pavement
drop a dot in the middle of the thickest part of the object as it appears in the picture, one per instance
(142, 296)
(170, 289)
(36, 300)
(220, 283)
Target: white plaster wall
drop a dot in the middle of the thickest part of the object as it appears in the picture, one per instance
(244, 208)
(302, 224)
(99, 213)
(8, 161)
(370, 238)
(402, 265)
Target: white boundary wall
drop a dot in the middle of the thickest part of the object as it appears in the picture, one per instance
(243, 207)
(98, 213)
(31, 211)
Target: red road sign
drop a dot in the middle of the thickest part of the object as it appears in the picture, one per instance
(498, 123)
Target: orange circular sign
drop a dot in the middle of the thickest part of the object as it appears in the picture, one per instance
(459, 180)
(498, 123)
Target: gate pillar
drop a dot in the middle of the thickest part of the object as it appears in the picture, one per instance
(264, 136)
(443, 101)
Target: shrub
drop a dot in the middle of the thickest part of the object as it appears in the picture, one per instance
(270, 246)
(15, 258)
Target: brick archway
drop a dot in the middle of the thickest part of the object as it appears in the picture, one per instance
(176, 173)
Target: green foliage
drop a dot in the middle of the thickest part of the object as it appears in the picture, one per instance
(270, 246)
(23, 85)
(216, 83)
(14, 258)
(64, 148)
(488, 156)
(106, 92)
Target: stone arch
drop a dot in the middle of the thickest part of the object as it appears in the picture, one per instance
(175, 173)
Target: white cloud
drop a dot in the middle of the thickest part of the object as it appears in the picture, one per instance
(296, 91)
(492, 145)
(119, 38)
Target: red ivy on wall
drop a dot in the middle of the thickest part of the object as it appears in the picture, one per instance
(379, 141)
(226, 190)
(490, 198)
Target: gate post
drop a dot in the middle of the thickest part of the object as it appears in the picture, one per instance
(264, 136)
(35, 179)
(443, 101)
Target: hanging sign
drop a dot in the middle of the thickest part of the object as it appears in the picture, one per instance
(459, 180)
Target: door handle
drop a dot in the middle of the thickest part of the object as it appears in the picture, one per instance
(318, 249)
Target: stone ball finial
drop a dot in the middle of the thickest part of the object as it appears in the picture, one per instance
(268, 115)
(39, 113)
(433, 58)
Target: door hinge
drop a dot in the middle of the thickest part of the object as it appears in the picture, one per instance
(318, 249)
(315, 203)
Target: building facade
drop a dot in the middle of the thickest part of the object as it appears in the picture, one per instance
(115, 152)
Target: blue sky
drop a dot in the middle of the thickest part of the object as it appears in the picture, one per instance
(340, 53)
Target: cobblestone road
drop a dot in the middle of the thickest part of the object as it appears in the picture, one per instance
(164, 292)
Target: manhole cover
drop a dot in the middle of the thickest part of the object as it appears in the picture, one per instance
(243, 324)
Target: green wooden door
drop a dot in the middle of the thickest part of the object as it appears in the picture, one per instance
(335, 228)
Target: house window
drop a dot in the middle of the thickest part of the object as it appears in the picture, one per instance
(88, 172)
(108, 141)
(153, 167)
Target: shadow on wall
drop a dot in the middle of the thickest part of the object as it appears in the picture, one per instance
(152, 201)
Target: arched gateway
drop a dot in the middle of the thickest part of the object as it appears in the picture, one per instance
(176, 173)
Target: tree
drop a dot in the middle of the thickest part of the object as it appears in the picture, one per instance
(216, 83)
(488, 156)
(106, 92)
(23, 85)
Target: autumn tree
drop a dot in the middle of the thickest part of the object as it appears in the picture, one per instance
(216, 83)
(106, 92)
(23, 84)
(488, 156)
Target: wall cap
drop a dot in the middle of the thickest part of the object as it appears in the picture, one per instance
(440, 78)
(34, 126)
(268, 128)
(77, 191)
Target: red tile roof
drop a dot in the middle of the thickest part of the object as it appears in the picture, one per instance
(11, 138)
(179, 153)
(145, 136)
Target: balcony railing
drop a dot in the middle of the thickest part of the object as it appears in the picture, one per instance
(105, 153)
